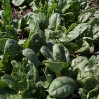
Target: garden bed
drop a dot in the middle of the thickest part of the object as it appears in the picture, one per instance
(49, 49)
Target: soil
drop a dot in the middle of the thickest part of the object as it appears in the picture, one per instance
(15, 12)
(94, 5)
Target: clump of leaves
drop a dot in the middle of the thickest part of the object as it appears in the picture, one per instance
(55, 56)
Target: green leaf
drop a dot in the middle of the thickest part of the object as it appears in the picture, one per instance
(54, 21)
(3, 66)
(60, 53)
(93, 61)
(8, 80)
(51, 9)
(46, 52)
(11, 49)
(25, 73)
(79, 63)
(30, 54)
(84, 47)
(12, 96)
(55, 66)
(11, 32)
(32, 72)
(7, 11)
(2, 85)
(93, 93)
(71, 27)
(36, 40)
(17, 2)
(78, 30)
(50, 34)
(87, 79)
(48, 97)
(36, 21)
(72, 46)
(2, 44)
(62, 3)
(85, 16)
(95, 32)
(48, 76)
(61, 87)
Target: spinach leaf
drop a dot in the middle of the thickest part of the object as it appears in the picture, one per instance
(62, 87)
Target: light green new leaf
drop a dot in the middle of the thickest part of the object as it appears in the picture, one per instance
(51, 9)
(73, 25)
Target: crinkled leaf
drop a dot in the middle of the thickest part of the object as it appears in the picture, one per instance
(32, 72)
(78, 30)
(79, 63)
(11, 49)
(10, 81)
(46, 52)
(55, 66)
(36, 41)
(36, 21)
(93, 61)
(25, 72)
(87, 79)
(30, 54)
(86, 15)
(50, 34)
(61, 87)
(60, 53)
(54, 21)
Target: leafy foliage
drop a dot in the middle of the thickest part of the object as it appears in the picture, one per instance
(50, 50)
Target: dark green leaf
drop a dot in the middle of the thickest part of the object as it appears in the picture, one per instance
(30, 54)
(62, 87)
